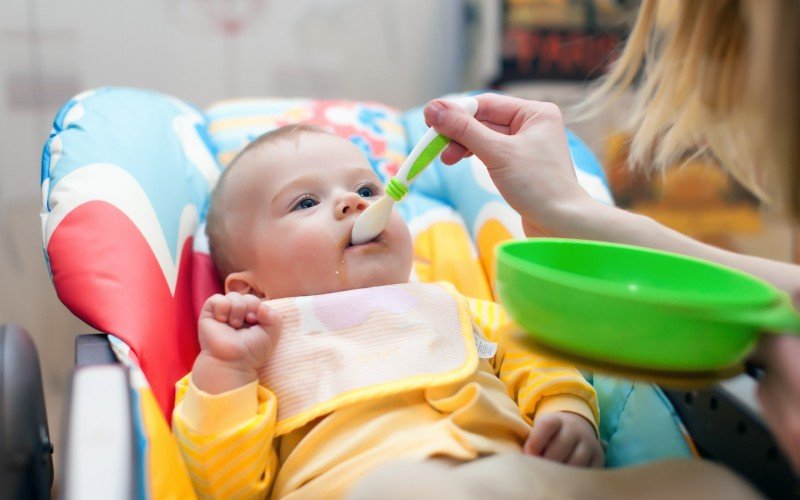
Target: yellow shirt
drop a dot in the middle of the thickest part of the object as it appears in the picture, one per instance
(229, 445)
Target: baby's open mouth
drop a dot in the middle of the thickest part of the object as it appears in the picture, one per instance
(373, 240)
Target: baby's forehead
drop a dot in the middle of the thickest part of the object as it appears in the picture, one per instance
(325, 152)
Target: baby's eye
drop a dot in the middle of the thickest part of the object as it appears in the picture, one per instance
(305, 203)
(365, 192)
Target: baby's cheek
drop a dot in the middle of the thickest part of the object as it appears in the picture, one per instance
(298, 258)
(313, 252)
(402, 246)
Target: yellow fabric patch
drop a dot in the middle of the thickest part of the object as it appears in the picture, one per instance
(489, 235)
(444, 252)
(166, 473)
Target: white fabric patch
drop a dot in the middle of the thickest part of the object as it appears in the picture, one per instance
(112, 184)
(338, 343)
(486, 349)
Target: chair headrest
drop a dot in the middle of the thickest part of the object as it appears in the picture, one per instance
(125, 180)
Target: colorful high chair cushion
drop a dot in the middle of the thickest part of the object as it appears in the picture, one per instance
(125, 181)
(126, 176)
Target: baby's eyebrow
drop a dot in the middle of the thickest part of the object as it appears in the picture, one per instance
(361, 171)
(295, 184)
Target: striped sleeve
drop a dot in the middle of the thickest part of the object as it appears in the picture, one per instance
(228, 451)
(538, 384)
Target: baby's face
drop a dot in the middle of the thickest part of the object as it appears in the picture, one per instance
(303, 196)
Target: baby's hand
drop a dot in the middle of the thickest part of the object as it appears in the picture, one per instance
(565, 437)
(237, 335)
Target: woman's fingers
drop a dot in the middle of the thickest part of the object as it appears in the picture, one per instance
(502, 109)
(779, 392)
(455, 122)
(455, 152)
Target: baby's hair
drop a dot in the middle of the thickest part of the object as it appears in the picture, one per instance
(218, 227)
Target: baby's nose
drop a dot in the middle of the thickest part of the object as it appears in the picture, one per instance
(353, 203)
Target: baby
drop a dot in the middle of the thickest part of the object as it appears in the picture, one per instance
(259, 414)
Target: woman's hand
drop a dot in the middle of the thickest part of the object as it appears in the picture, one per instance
(779, 391)
(524, 147)
(237, 334)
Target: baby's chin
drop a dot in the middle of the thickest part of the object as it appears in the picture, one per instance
(368, 282)
(342, 282)
(355, 280)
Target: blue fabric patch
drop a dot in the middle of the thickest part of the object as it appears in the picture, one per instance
(638, 424)
(135, 130)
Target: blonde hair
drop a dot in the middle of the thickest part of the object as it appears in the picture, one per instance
(219, 228)
(716, 79)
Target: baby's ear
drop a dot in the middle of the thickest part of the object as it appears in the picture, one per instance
(244, 283)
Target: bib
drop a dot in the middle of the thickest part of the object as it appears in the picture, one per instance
(341, 348)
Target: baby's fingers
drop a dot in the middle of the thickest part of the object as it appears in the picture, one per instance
(583, 455)
(542, 433)
(561, 447)
(218, 307)
(238, 309)
(252, 303)
(269, 319)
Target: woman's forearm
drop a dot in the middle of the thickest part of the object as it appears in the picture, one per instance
(594, 221)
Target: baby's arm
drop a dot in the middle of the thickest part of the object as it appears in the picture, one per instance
(224, 421)
(552, 395)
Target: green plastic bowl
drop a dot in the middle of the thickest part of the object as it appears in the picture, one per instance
(637, 307)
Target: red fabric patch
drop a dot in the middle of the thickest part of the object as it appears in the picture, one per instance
(106, 274)
(205, 280)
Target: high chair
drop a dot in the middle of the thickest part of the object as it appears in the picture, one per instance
(126, 176)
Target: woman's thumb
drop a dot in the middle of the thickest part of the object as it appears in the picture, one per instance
(453, 121)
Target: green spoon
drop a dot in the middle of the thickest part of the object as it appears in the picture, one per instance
(636, 307)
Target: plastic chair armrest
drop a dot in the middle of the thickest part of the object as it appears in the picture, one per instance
(100, 454)
(728, 428)
(93, 349)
